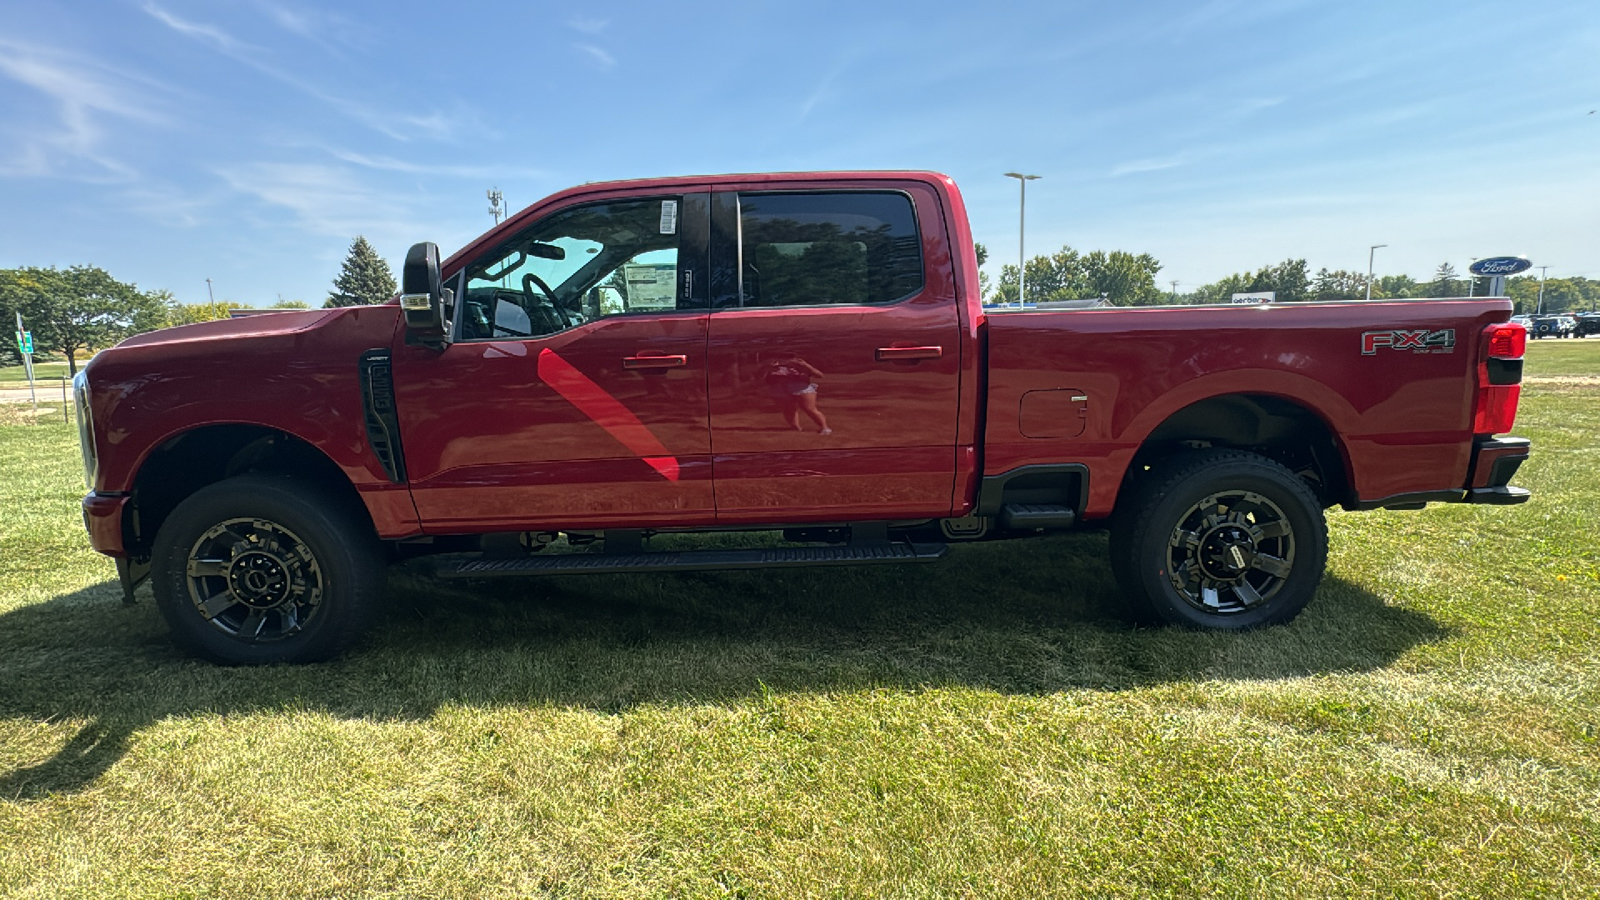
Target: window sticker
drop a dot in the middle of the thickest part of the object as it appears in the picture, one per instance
(669, 217)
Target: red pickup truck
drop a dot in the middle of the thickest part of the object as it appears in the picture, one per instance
(794, 353)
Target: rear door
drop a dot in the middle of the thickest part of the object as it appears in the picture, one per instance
(574, 393)
(834, 354)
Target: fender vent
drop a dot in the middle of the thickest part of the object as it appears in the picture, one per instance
(383, 424)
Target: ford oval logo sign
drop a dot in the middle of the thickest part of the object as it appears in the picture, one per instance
(1500, 265)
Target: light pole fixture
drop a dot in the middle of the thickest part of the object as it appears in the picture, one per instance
(1371, 251)
(1472, 280)
(1022, 224)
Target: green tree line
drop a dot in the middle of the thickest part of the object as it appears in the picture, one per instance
(76, 311)
(1126, 279)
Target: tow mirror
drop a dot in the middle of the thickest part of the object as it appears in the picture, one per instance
(421, 300)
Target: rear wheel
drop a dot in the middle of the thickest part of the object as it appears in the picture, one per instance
(1219, 539)
(263, 569)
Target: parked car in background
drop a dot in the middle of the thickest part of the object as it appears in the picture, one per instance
(1553, 326)
(1588, 323)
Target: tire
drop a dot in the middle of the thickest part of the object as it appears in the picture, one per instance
(1220, 540)
(263, 569)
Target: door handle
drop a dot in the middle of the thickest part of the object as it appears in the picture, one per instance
(654, 362)
(896, 353)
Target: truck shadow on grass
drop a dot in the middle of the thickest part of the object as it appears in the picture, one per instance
(1016, 617)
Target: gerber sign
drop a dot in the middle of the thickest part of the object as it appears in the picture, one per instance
(1500, 265)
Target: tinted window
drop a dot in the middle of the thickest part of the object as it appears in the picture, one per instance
(579, 264)
(828, 248)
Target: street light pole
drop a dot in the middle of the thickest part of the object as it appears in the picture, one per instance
(209, 293)
(1022, 224)
(1371, 251)
(1540, 307)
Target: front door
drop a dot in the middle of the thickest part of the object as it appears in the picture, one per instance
(573, 394)
(835, 356)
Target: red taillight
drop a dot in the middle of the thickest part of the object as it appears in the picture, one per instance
(1499, 378)
(1507, 341)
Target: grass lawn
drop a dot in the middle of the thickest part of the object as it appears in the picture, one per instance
(982, 727)
(17, 376)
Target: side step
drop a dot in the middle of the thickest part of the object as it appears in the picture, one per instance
(1037, 515)
(776, 558)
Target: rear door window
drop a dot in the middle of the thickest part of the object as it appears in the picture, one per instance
(828, 248)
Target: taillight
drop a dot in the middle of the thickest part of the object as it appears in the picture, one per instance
(1499, 378)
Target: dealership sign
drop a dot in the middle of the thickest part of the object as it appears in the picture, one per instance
(1500, 265)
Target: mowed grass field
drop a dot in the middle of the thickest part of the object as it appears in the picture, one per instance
(983, 727)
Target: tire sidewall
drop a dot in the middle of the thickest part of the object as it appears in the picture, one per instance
(344, 548)
(1148, 565)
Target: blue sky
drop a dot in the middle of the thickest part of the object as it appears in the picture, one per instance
(171, 141)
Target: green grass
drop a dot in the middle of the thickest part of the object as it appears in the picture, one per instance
(54, 371)
(983, 727)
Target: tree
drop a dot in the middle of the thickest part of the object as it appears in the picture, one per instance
(1289, 280)
(364, 280)
(1342, 284)
(290, 304)
(983, 277)
(1444, 281)
(77, 309)
(190, 313)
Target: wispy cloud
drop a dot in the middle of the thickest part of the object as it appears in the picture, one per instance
(325, 29)
(389, 164)
(86, 94)
(588, 25)
(326, 200)
(433, 126)
(605, 61)
(1135, 166)
(200, 31)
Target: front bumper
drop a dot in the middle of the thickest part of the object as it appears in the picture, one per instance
(102, 517)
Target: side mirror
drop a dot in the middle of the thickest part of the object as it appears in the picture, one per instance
(421, 300)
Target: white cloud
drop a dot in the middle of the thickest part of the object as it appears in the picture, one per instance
(326, 200)
(1136, 166)
(588, 26)
(87, 94)
(400, 127)
(601, 58)
(389, 164)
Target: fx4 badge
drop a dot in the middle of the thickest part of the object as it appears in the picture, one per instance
(1423, 341)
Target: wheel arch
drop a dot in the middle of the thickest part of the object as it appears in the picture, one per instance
(192, 459)
(1284, 428)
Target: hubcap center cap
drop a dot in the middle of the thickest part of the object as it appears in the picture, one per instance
(1226, 552)
(258, 579)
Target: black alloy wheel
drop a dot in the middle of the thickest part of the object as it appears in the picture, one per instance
(265, 569)
(254, 580)
(1218, 539)
(1230, 552)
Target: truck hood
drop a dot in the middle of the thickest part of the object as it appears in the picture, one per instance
(263, 325)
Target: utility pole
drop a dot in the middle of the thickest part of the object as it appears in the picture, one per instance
(1472, 280)
(209, 292)
(496, 204)
(1371, 251)
(1540, 307)
(1022, 225)
(1174, 292)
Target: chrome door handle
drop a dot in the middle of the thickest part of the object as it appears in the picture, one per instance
(896, 353)
(654, 362)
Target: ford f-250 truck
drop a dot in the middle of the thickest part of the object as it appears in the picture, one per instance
(794, 353)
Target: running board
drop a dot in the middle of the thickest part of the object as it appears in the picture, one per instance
(768, 558)
(1037, 515)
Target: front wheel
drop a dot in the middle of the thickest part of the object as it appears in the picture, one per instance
(1219, 539)
(263, 569)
